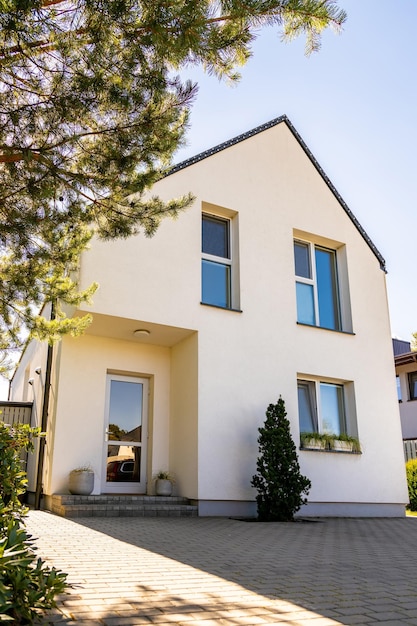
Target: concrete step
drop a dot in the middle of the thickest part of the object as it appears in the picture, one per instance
(121, 506)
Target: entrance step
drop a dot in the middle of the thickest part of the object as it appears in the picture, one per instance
(121, 506)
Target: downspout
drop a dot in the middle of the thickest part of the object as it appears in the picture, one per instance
(44, 420)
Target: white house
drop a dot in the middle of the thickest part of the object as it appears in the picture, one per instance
(266, 286)
(406, 374)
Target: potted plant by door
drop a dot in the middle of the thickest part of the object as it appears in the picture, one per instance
(163, 483)
(81, 481)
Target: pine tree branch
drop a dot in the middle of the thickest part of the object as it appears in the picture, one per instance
(276, 15)
(23, 155)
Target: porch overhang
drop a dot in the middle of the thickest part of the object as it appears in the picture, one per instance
(405, 359)
(124, 328)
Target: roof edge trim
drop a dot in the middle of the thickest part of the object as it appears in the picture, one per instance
(227, 144)
(334, 191)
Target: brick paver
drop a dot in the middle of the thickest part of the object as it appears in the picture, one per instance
(217, 571)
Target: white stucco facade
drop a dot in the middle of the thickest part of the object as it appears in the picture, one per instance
(212, 371)
(406, 371)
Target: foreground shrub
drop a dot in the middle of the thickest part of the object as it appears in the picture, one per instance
(14, 441)
(411, 471)
(27, 585)
(281, 486)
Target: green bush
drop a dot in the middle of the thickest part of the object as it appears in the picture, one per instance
(281, 486)
(14, 440)
(27, 585)
(411, 470)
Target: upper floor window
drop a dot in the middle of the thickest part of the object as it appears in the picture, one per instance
(219, 257)
(216, 261)
(412, 384)
(318, 301)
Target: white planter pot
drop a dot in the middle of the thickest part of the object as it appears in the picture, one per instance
(81, 483)
(163, 487)
(314, 444)
(342, 446)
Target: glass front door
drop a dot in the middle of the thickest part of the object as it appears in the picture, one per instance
(125, 435)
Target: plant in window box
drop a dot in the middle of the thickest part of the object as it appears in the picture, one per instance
(345, 443)
(314, 441)
(164, 482)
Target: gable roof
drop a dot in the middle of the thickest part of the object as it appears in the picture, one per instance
(283, 119)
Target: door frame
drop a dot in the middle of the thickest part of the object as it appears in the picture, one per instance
(128, 486)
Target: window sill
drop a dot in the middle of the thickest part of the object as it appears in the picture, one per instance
(223, 308)
(332, 330)
(328, 443)
(328, 450)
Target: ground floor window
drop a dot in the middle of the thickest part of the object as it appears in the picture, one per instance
(327, 415)
(321, 407)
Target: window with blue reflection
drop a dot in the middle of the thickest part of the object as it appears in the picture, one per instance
(332, 408)
(125, 410)
(316, 286)
(399, 394)
(306, 407)
(305, 304)
(215, 236)
(215, 283)
(302, 259)
(327, 289)
(216, 262)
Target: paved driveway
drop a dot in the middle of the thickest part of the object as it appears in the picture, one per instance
(216, 571)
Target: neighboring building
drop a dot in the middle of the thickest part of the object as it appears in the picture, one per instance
(406, 376)
(266, 286)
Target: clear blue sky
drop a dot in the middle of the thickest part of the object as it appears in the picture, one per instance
(354, 104)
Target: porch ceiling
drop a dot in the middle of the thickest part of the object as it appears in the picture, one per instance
(124, 328)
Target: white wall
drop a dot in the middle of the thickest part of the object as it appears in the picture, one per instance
(183, 449)
(79, 422)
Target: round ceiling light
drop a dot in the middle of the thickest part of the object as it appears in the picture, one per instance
(141, 332)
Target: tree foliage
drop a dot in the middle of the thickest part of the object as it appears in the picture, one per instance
(14, 440)
(91, 113)
(282, 489)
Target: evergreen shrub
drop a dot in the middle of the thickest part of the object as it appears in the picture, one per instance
(282, 489)
(27, 585)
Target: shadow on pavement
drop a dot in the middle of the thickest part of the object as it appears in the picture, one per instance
(351, 571)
